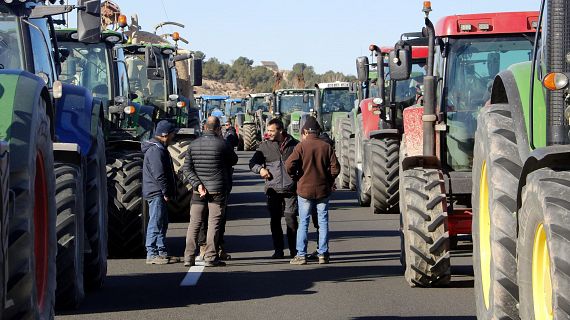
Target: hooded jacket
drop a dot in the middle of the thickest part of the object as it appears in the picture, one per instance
(272, 155)
(158, 171)
(209, 162)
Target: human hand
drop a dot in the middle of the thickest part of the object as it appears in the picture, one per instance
(166, 198)
(265, 174)
(202, 190)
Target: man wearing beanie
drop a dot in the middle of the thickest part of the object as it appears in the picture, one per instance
(314, 165)
(158, 188)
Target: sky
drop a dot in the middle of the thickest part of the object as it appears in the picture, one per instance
(326, 34)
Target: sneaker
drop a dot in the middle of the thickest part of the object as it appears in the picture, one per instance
(298, 260)
(156, 260)
(224, 255)
(323, 259)
(214, 263)
(313, 256)
(278, 255)
(189, 262)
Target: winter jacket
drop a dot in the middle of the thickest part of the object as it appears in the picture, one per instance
(314, 165)
(231, 137)
(272, 155)
(158, 172)
(209, 162)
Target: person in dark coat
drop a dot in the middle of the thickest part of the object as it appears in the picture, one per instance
(207, 168)
(230, 135)
(313, 164)
(159, 183)
(269, 162)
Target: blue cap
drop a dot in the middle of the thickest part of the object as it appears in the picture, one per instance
(164, 128)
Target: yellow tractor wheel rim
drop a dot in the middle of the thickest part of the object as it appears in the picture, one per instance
(485, 234)
(541, 282)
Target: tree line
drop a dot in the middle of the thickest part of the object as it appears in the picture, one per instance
(262, 79)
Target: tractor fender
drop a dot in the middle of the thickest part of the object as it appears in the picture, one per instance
(507, 90)
(74, 111)
(383, 133)
(67, 152)
(19, 87)
(413, 129)
(132, 145)
(420, 162)
(554, 157)
(370, 120)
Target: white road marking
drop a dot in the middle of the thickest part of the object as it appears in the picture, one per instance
(192, 277)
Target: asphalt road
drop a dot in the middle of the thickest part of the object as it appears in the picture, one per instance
(363, 281)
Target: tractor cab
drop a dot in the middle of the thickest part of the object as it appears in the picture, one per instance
(214, 106)
(235, 107)
(293, 106)
(336, 101)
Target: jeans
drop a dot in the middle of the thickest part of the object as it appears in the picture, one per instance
(157, 227)
(306, 206)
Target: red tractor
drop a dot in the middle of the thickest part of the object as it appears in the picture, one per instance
(465, 54)
(378, 128)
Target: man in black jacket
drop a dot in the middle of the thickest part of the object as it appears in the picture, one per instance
(207, 167)
(269, 162)
(158, 188)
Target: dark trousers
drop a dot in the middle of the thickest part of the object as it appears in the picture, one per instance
(279, 205)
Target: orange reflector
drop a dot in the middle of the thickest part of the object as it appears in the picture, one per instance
(555, 81)
(427, 5)
(181, 104)
(129, 110)
(175, 36)
(122, 21)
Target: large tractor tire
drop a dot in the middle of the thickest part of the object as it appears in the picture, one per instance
(70, 235)
(32, 232)
(424, 220)
(249, 133)
(384, 157)
(363, 186)
(96, 215)
(345, 131)
(4, 213)
(127, 220)
(496, 169)
(543, 246)
(352, 180)
(179, 209)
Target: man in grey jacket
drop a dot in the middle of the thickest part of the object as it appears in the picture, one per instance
(269, 162)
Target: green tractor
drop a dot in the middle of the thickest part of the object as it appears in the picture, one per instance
(153, 78)
(54, 230)
(250, 124)
(293, 106)
(521, 182)
(100, 67)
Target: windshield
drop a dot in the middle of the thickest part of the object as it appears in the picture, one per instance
(235, 108)
(210, 105)
(472, 65)
(338, 100)
(149, 91)
(259, 103)
(294, 102)
(87, 66)
(407, 91)
(10, 44)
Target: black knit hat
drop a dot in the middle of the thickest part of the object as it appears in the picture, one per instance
(311, 125)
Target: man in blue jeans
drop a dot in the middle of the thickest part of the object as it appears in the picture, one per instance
(158, 188)
(314, 165)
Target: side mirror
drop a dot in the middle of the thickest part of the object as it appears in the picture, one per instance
(400, 64)
(182, 57)
(120, 100)
(362, 70)
(89, 21)
(305, 98)
(154, 74)
(151, 55)
(196, 72)
(243, 103)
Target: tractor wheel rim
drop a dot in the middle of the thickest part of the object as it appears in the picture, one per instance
(485, 235)
(40, 230)
(541, 282)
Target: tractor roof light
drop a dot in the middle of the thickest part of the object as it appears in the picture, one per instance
(122, 20)
(555, 81)
(465, 27)
(129, 110)
(175, 36)
(534, 24)
(114, 39)
(427, 7)
(377, 101)
(484, 26)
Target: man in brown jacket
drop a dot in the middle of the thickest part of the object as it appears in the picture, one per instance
(314, 165)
